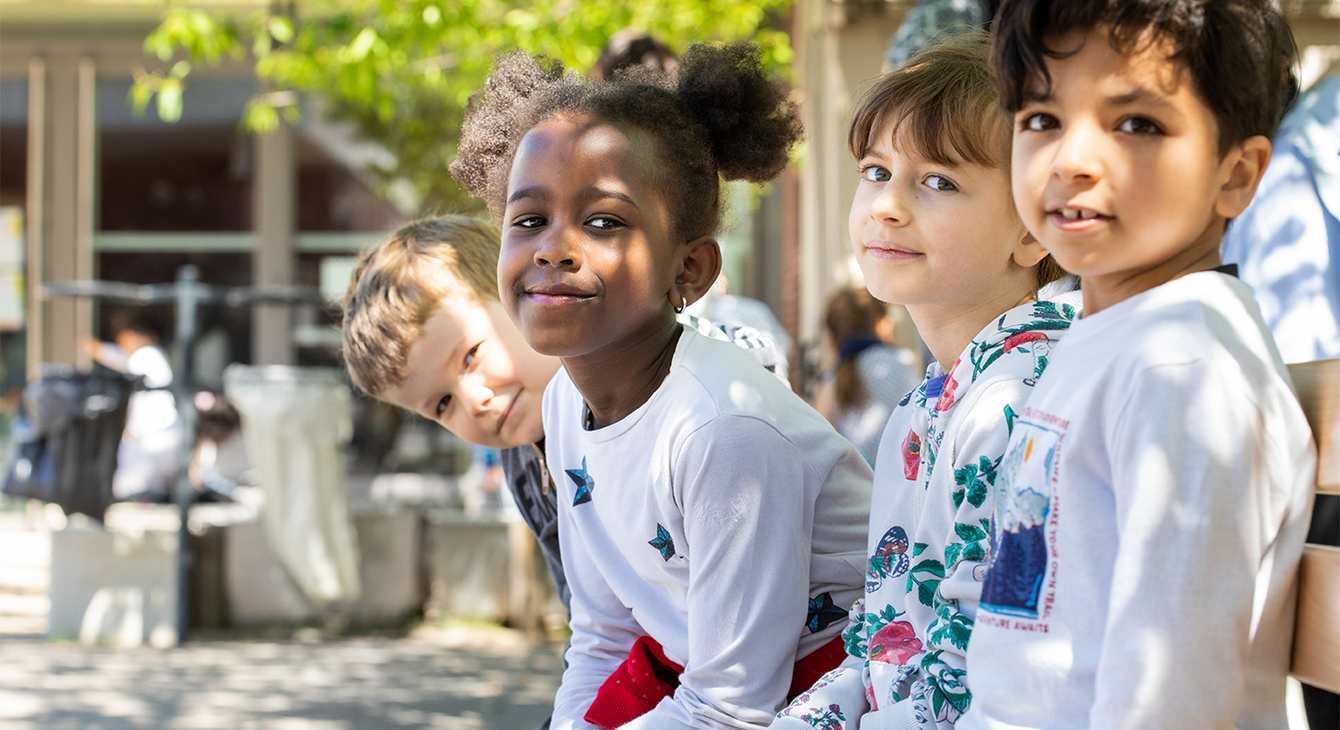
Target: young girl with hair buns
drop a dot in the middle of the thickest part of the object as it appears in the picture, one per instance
(712, 523)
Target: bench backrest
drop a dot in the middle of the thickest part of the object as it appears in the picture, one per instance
(1316, 646)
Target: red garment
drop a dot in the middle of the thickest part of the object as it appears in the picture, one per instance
(647, 676)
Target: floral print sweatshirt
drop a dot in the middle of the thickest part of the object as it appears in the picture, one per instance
(930, 521)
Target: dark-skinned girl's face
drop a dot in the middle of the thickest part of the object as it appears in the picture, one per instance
(589, 254)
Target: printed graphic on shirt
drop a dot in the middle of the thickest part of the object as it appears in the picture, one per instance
(890, 559)
(663, 542)
(797, 705)
(823, 613)
(911, 456)
(829, 718)
(895, 643)
(1020, 563)
(584, 484)
(1044, 316)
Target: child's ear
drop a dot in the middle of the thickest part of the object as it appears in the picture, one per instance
(701, 267)
(1243, 167)
(1028, 252)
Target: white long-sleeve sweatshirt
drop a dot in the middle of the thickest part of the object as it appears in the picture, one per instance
(1150, 513)
(724, 517)
(930, 517)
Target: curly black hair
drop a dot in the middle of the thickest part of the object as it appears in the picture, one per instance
(720, 116)
(1240, 52)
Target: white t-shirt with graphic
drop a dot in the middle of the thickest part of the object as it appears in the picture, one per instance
(1150, 513)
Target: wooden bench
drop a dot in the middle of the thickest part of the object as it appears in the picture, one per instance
(1316, 649)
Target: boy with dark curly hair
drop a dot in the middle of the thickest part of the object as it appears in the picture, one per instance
(1153, 499)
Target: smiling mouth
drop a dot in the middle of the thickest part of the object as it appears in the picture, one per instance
(885, 250)
(1078, 214)
(557, 294)
(497, 428)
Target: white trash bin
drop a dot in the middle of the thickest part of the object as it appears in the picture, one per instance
(295, 422)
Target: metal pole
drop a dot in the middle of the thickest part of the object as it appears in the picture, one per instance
(188, 297)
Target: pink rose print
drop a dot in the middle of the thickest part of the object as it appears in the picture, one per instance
(1023, 338)
(911, 456)
(895, 644)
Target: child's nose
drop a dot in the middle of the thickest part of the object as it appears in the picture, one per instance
(556, 250)
(1077, 157)
(888, 206)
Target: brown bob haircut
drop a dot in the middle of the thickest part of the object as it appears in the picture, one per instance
(944, 105)
(399, 284)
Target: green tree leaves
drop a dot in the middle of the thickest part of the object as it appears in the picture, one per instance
(403, 70)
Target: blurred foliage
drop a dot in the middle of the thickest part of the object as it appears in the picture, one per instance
(403, 70)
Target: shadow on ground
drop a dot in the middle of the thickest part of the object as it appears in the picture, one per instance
(457, 678)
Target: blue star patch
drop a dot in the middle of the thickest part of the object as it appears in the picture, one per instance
(584, 484)
(823, 613)
(663, 543)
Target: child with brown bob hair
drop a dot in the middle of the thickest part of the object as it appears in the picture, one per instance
(933, 227)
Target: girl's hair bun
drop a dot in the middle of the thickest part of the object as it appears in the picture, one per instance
(746, 114)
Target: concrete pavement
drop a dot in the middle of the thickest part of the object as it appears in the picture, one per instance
(462, 678)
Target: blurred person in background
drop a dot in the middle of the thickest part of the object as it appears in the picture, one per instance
(871, 375)
(146, 461)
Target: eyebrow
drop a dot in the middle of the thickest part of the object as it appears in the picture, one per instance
(594, 193)
(1034, 95)
(536, 192)
(1138, 95)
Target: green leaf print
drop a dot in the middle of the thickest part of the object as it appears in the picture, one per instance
(918, 548)
(926, 576)
(977, 479)
(952, 551)
(969, 533)
(950, 627)
(946, 685)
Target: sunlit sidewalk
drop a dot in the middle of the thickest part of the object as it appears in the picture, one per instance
(455, 678)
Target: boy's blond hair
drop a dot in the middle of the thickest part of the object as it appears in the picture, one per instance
(943, 104)
(398, 284)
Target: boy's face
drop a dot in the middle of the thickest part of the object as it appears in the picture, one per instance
(1117, 170)
(473, 373)
(928, 235)
(587, 256)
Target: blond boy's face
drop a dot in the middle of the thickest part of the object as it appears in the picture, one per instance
(929, 235)
(473, 373)
(1117, 169)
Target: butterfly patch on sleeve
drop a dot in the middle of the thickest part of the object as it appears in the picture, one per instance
(584, 483)
(663, 542)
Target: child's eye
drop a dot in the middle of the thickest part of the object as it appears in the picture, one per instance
(1139, 125)
(529, 221)
(470, 356)
(939, 182)
(874, 173)
(604, 223)
(1038, 122)
(442, 405)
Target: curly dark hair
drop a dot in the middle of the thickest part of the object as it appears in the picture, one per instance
(720, 116)
(1240, 52)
